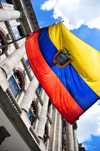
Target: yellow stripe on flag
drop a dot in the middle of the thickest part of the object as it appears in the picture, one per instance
(86, 59)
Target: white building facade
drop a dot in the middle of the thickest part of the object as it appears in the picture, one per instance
(28, 119)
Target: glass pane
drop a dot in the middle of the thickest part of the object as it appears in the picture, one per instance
(3, 1)
(13, 86)
(1, 43)
(27, 62)
(39, 87)
(30, 114)
(16, 32)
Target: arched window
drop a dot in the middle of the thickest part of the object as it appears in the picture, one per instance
(3, 41)
(16, 82)
(33, 113)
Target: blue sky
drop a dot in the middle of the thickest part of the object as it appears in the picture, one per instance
(82, 17)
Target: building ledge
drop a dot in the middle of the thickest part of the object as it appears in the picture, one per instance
(17, 122)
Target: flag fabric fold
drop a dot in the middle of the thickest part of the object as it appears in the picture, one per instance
(67, 68)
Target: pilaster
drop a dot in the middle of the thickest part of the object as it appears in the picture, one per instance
(43, 117)
(69, 137)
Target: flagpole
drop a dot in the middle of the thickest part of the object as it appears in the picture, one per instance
(5, 45)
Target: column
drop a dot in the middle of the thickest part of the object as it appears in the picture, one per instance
(17, 47)
(6, 15)
(42, 121)
(29, 95)
(26, 68)
(39, 108)
(49, 126)
(60, 134)
(50, 113)
(54, 129)
(43, 118)
(10, 62)
(75, 136)
(69, 137)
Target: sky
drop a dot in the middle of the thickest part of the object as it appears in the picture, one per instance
(82, 18)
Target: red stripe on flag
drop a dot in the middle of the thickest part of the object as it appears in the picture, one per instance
(56, 91)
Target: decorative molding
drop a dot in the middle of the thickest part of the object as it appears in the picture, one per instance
(75, 126)
(4, 39)
(20, 72)
(39, 97)
(49, 119)
(3, 134)
(81, 148)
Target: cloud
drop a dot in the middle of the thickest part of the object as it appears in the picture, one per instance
(89, 147)
(74, 13)
(89, 124)
(41, 22)
(48, 5)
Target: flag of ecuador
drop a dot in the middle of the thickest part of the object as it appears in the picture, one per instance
(67, 68)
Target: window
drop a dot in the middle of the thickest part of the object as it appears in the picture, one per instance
(15, 83)
(3, 1)
(45, 135)
(33, 113)
(3, 41)
(20, 29)
(16, 32)
(49, 104)
(39, 87)
(38, 90)
(9, 1)
(6, 1)
(27, 62)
